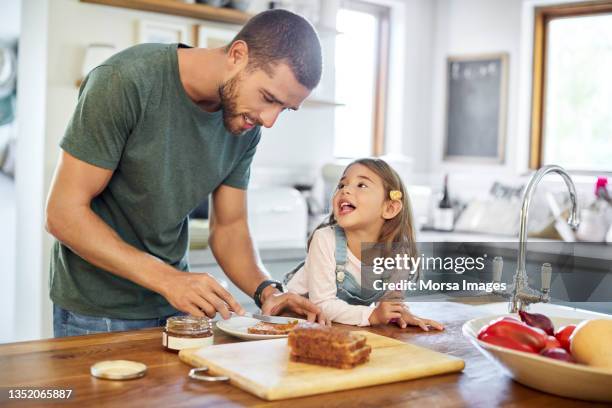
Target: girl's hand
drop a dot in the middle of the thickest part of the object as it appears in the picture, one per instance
(385, 312)
(398, 313)
(408, 319)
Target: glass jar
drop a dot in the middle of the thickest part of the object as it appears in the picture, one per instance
(183, 332)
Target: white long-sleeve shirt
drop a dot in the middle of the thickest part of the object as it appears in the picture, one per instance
(318, 278)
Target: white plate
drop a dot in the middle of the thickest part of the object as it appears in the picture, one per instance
(238, 327)
(543, 373)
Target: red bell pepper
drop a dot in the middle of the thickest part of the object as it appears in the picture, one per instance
(531, 336)
(507, 342)
(563, 335)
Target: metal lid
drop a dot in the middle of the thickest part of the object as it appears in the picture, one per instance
(118, 369)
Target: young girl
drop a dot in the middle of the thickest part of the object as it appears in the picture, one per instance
(369, 205)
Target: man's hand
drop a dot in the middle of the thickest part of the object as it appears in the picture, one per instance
(199, 294)
(276, 303)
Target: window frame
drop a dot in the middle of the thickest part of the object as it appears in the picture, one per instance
(381, 76)
(542, 17)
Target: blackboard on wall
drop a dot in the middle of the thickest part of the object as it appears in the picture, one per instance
(476, 108)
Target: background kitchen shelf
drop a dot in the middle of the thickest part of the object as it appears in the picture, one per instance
(180, 8)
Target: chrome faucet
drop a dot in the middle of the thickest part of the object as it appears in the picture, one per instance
(520, 294)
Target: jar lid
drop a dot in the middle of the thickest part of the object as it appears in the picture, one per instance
(118, 369)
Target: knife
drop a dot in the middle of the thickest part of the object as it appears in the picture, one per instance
(266, 318)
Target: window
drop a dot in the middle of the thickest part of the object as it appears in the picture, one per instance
(361, 63)
(572, 94)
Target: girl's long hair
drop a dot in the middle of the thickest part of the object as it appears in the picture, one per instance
(398, 232)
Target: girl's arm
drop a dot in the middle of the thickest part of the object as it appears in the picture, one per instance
(320, 269)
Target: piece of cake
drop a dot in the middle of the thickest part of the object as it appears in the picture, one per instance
(272, 328)
(328, 346)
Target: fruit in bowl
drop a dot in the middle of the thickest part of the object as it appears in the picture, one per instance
(552, 343)
(538, 320)
(563, 335)
(535, 359)
(591, 343)
(557, 353)
(588, 343)
(514, 334)
(531, 335)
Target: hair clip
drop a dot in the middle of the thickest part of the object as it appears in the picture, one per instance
(395, 195)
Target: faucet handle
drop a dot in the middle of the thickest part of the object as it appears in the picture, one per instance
(498, 267)
(546, 276)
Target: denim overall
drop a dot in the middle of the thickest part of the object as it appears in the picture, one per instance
(347, 287)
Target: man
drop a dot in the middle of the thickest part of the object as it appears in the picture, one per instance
(156, 129)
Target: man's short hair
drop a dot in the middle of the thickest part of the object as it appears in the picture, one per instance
(276, 36)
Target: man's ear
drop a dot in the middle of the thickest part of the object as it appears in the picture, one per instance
(238, 55)
(391, 208)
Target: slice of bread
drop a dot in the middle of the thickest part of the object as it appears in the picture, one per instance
(272, 328)
(329, 346)
(334, 355)
(327, 336)
(331, 363)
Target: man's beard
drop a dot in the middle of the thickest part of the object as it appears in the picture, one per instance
(228, 96)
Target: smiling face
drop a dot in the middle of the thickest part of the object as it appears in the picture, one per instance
(256, 97)
(360, 200)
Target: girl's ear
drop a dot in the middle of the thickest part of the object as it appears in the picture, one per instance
(391, 208)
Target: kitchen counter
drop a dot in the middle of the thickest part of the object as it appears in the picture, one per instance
(64, 364)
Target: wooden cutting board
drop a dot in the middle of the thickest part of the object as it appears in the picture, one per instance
(263, 367)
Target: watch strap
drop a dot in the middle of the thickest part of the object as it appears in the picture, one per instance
(262, 286)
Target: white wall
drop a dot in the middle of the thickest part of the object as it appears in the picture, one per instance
(7, 257)
(464, 27)
(10, 16)
(9, 30)
(441, 28)
(29, 172)
(420, 26)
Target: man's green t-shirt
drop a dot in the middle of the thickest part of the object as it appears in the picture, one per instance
(134, 117)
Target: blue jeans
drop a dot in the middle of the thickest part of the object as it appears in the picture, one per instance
(67, 323)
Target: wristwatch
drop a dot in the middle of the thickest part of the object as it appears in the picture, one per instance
(262, 286)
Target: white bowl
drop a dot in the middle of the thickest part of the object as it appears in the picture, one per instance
(543, 373)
